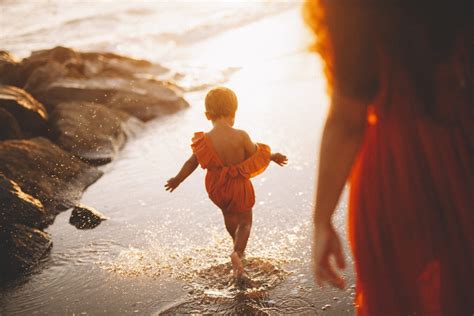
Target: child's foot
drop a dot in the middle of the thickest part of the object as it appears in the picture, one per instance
(244, 282)
(237, 266)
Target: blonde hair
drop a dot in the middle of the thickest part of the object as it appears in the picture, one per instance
(220, 102)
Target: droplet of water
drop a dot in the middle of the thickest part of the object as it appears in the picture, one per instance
(326, 307)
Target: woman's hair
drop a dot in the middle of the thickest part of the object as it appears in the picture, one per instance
(220, 102)
(416, 34)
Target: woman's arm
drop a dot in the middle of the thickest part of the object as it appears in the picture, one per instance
(342, 136)
(188, 167)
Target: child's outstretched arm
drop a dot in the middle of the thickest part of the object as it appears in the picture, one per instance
(279, 159)
(188, 167)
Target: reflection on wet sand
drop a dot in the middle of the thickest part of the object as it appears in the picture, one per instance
(207, 273)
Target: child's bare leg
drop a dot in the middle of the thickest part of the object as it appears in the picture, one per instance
(242, 232)
(230, 223)
(239, 225)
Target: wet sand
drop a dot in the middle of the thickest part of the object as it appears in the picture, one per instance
(168, 253)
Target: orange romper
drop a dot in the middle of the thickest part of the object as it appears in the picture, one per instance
(229, 187)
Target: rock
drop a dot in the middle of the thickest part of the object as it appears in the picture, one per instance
(9, 69)
(29, 113)
(18, 207)
(9, 127)
(142, 98)
(46, 172)
(84, 217)
(68, 58)
(90, 131)
(147, 99)
(62, 75)
(91, 64)
(21, 247)
(113, 65)
(43, 76)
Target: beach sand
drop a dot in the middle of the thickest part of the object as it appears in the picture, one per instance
(168, 253)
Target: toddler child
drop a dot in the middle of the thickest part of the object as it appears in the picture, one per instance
(231, 159)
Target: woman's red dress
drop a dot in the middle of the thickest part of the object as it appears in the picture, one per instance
(411, 221)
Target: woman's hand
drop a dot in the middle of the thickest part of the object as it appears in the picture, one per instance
(172, 184)
(279, 159)
(327, 253)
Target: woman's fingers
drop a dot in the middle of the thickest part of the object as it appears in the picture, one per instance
(328, 275)
(340, 260)
(325, 273)
(328, 256)
(320, 278)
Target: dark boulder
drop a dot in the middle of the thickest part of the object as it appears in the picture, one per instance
(29, 113)
(83, 217)
(144, 99)
(18, 207)
(62, 75)
(45, 171)
(90, 64)
(9, 127)
(42, 77)
(70, 61)
(90, 131)
(22, 247)
(9, 69)
(113, 65)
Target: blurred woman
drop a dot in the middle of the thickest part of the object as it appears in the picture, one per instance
(401, 129)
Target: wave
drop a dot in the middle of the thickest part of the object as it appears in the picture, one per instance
(179, 23)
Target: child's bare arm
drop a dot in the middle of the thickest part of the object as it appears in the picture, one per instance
(279, 159)
(251, 148)
(249, 145)
(188, 167)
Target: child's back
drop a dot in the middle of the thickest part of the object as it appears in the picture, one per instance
(232, 146)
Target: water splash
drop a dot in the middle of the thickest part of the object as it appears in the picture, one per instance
(206, 270)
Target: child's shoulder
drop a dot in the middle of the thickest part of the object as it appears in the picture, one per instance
(244, 138)
(241, 133)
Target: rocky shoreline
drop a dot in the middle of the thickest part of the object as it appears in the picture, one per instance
(62, 114)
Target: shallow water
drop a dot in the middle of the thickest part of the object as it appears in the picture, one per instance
(162, 253)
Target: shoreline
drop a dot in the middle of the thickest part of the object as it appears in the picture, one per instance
(64, 113)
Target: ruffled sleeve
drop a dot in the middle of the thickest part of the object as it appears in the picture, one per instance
(257, 163)
(202, 152)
